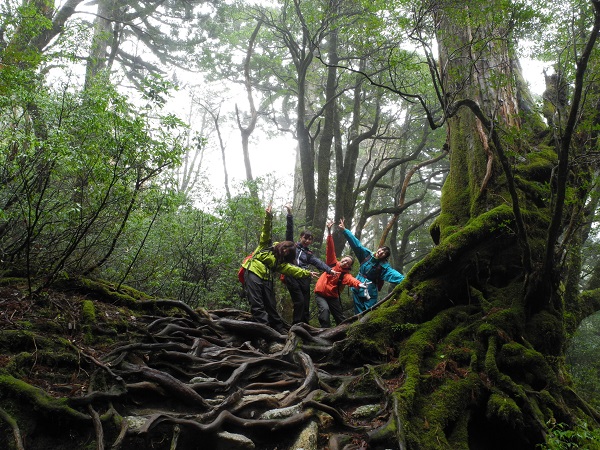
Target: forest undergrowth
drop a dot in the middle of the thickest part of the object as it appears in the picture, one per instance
(85, 366)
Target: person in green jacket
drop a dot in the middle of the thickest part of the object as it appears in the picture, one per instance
(259, 275)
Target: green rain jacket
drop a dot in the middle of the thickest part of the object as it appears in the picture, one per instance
(263, 263)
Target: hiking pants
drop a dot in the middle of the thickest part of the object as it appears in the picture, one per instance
(327, 305)
(299, 289)
(263, 307)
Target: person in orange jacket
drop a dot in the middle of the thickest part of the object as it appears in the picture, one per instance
(327, 289)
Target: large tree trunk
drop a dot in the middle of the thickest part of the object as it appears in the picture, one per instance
(476, 341)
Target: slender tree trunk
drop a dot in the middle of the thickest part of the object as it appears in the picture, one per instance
(246, 131)
(105, 33)
(326, 142)
(305, 148)
(346, 160)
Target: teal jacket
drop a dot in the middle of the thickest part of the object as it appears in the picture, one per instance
(371, 268)
(263, 263)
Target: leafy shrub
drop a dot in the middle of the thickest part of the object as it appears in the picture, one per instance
(581, 436)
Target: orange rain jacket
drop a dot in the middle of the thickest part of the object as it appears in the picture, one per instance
(329, 285)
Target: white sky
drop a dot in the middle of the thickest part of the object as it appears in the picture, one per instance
(277, 155)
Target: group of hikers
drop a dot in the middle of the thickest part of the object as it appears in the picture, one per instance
(293, 259)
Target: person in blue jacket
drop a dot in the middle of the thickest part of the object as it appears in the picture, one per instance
(374, 269)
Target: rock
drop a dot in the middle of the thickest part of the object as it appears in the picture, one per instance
(366, 411)
(307, 440)
(231, 441)
(281, 412)
(203, 380)
(135, 422)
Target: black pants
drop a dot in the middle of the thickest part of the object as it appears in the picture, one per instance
(328, 305)
(299, 289)
(263, 307)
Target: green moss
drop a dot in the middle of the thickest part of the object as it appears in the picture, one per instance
(526, 364)
(458, 438)
(414, 350)
(14, 341)
(507, 321)
(439, 419)
(88, 335)
(134, 293)
(546, 332)
(22, 363)
(451, 399)
(535, 192)
(375, 337)
(502, 408)
(469, 236)
(19, 362)
(590, 301)
(88, 312)
(384, 435)
(11, 387)
(502, 380)
(107, 291)
(405, 329)
(538, 165)
(25, 324)
(8, 281)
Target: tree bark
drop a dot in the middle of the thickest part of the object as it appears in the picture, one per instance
(326, 141)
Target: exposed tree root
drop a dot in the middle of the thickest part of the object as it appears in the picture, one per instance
(15, 428)
(203, 376)
(196, 375)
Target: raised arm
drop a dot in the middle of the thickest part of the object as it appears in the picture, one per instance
(361, 252)
(265, 235)
(289, 224)
(331, 259)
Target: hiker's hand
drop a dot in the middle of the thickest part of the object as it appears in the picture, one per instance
(315, 274)
(288, 207)
(362, 286)
(329, 225)
(268, 210)
(335, 272)
(341, 225)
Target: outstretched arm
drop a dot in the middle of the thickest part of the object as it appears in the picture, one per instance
(294, 271)
(349, 280)
(391, 275)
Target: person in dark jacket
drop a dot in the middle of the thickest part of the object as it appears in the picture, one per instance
(373, 269)
(259, 275)
(327, 289)
(299, 288)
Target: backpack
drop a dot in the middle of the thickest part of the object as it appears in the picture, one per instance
(242, 271)
(379, 280)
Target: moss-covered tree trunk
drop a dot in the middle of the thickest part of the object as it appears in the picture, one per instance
(476, 334)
